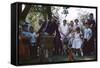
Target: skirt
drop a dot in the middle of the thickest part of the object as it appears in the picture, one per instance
(77, 43)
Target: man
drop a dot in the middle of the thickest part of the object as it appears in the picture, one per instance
(64, 31)
(91, 20)
(27, 36)
(92, 24)
(87, 47)
(33, 48)
(48, 28)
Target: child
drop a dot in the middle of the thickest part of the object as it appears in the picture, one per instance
(33, 48)
(27, 36)
(20, 45)
(70, 54)
(77, 42)
(33, 35)
(87, 47)
(70, 38)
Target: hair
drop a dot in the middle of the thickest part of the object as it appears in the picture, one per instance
(71, 21)
(77, 29)
(31, 27)
(91, 14)
(24, 26)
(65, 21)
(76, 20)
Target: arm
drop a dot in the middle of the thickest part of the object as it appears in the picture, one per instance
(90, 34)
(60, 30)
(41, 28)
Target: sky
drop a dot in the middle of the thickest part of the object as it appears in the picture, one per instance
(74, 12)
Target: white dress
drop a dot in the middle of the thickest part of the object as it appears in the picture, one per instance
(77, 42)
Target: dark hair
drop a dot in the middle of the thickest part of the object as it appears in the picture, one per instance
(76, 20)
(71, 21)
(78, 28)
(64, 21)
(24, 26)
(31, 27)
(91, 14)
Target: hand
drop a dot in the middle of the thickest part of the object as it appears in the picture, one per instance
(37, 35)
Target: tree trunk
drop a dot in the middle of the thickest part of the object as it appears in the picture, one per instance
(23, 14)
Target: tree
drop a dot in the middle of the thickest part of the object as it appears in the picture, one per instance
(23, 14)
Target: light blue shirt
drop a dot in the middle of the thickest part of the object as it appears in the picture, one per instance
(87, 33)
(26, 34)
(33, 39)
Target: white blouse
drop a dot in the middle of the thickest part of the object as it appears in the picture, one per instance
(64, 29)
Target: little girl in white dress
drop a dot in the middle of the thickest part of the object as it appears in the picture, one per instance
(77, 42)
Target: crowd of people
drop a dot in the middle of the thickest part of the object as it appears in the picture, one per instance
(71, 39)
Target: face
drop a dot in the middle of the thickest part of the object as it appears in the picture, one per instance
(78, 31)
(25, 28)
(40, 22)
(91, 16)
(76, 21)
(58, 24)
(64, 22)
(83, 20)
(71, 23)
(31, 29)
(87, 26)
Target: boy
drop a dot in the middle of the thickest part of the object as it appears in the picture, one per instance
(87, 47)
(27, 36)
(33, 48)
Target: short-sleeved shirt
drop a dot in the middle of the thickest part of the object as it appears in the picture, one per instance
(33, 39)
(27, 35)
(87, 33)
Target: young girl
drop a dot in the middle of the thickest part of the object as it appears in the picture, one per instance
(77, 42)
(70, 38)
